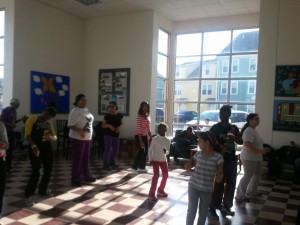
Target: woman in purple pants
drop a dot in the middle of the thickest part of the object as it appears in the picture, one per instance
(112, 124)
(80, 123)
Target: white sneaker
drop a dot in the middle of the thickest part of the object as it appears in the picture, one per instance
(142, 170)
(29, 202)
(134, 171)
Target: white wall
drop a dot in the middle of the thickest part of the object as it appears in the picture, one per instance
(45, 40)
(220, 23)
(279, 45)
(122, 41)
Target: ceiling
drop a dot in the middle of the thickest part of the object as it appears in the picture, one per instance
(174, 10)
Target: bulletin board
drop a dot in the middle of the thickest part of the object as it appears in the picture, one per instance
(114, 85)
(49, 90)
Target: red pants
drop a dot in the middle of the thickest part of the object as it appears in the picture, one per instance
(164, 169)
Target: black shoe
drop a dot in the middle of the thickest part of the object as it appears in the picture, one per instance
(227, 211)
(212, 214)
(91, 180)
(114, 166)
(47, 193)
(106, 167)
(240, 200)
(76, 184)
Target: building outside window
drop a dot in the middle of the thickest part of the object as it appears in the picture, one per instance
(252, 64)
(213, 69)
(235, 65)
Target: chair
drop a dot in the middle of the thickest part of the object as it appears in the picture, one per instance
(98, 140)
(62, 136)
(179, 149)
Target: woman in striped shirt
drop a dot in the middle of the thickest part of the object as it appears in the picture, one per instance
(143, 137)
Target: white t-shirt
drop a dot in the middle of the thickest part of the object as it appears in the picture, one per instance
(155, 151)
(81, 118)
(251, 135)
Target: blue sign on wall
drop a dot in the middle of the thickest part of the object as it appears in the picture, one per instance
(49, 90)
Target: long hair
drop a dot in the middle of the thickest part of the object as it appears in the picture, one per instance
(251, 116)
(140, 112)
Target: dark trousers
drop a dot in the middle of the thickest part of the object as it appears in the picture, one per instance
(80, 164)
(140, 158)
(224, 191)
(112, 145)
(10, 150)
(46, 159)
(2, 181)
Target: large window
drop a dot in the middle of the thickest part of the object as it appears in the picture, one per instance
(213, 69)
(162, 75)
(2, 14)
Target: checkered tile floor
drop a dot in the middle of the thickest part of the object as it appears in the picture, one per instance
(120, 197)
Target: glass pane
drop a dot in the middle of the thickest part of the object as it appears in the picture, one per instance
(222, 63)
(160, 89)
(1, 71)
(189, 44)
(209, 111)
(243, 91)
(2, 14)
(187, 67)
(186, 90)
(208, 90)
(184, 112)
(216, 42)
(162, 65)
(210, 67)
(244, 66)
(1, 50)
(160, 112)
(245, 40)
(163, 42)
(220, 94)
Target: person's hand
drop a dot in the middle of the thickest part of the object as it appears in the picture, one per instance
(82, 134)
(218, 177)
(225, 149)
(35, 151)
(231, 137)
(3, 145)
(266, 151)
(2, 153)
(118, 129)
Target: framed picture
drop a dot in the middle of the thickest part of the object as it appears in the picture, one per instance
(287, 81)
(49, 90)
(114, 85)
(286, 116)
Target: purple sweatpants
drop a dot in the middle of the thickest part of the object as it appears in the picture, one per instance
(112, 145)
(80, 164)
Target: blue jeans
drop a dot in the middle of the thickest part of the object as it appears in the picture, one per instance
(194, 196)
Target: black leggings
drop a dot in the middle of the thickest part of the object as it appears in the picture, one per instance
(140, 158)
(46, 159)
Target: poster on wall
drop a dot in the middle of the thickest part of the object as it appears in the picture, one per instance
(49, 90)
(114, 86)
(287, 81)
(286, 116)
